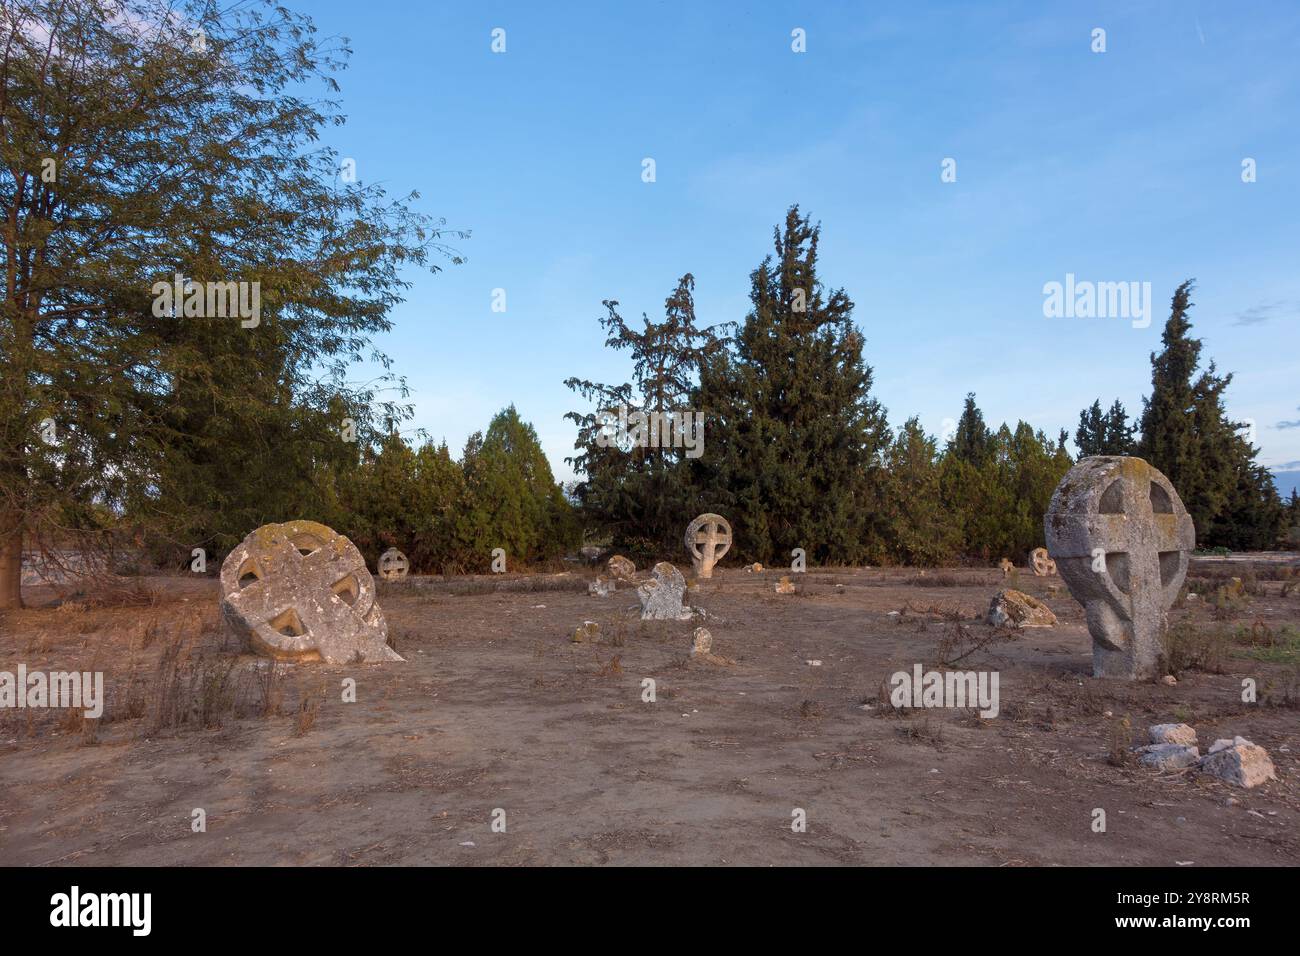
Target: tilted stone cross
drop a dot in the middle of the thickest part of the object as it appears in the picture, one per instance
(393, 565)
(1121, 539)
(704, 537)
(300, 591)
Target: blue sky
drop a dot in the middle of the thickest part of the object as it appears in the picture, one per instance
(1117, 166)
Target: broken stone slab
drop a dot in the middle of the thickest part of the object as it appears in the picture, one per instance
(1006, 566)
(1172, 734)
(708, 538)
(393, 565)
(1012, 608)
(661, 595)
(299, 591)
(601, 587)
(1042, 564)
(1238, 762)
(621, 568)
(754, 568)
(785, 585)
(1168, 756)
(586, 632)
(1121, 539)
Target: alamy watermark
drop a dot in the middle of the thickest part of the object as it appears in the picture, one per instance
(74, 690)
(209, 300)
(621, 428)
(956, 689)
(1083, 299)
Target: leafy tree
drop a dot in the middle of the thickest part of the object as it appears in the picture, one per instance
(143, 140)
(797, 441)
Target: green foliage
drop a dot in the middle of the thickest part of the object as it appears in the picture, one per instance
(920, 531)
(1186, 433)
(796, 441)
(1108, 433)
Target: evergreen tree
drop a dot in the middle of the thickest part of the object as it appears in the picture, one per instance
(1108, 433)
(638, 493)
(796, 441)
(1187, 434)
(973, 441)
(920, 530)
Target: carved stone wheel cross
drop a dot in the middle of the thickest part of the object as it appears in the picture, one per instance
(708, 538)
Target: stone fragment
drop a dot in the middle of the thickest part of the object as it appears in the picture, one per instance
(702, 641)
(754, 568)
(586, 632)
(393, 565)
(620, 568)
(1239, 762)
(1042, 564)
(785, 585)
(299, 591)
(708, 538)
(661, 595)
(1168, 756)
(1012, 608)
(1121, 539)
(1006, 566)
(601, 587)
(1169, 680)
(1172, 734)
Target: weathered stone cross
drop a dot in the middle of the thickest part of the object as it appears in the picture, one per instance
(1121, 538)
(704, 536)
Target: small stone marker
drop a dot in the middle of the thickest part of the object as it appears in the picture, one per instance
(661, 595)
(299, 591)
(621, 568)
(1172, 734)
(708, 538)
(586, 632)
(1006, 566)
(1168, 756)
(702, 641)
(601, 587)
(754, 568)
(393, 565)
(1042, 564)
(785, 585)
(1121, 538)
(1012, 608)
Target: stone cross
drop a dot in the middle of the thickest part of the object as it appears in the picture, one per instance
(704, 537)
(393, 565)
(1042, 563)
(1121, 539)
(299, 591)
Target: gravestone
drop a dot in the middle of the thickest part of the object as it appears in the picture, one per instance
(661, 595)
(1042, 563)
(708, 538)
(1006, 566)
(1121, 538)
(701, 641)
(299, 591)
(621, 568)
(393, 565)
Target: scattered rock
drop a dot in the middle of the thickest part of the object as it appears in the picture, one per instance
(1239, 762)
(601, 587)
(785, 585)
(586, 632)
(702, 642)
(1172, 734)
(1006, 566)
(1012, 608)
(1168, 756)
(1169, 680)
(754, 568)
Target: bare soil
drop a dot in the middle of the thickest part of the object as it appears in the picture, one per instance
(497, 709)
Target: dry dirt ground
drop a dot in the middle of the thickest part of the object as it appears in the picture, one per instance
(496, 709)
